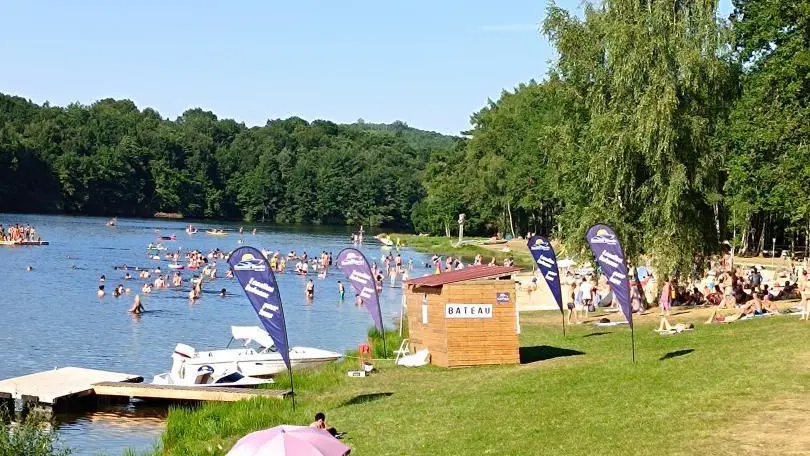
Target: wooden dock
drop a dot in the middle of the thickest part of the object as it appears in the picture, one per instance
(15, 243)
(185, 393)
(57, 385)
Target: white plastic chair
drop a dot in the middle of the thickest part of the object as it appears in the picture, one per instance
(403, 350)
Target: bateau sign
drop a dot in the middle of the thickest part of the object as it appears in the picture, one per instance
(468, 311)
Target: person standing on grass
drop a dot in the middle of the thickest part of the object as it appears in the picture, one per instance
(805, 292)
(571, 304)
(665, 300)
(586, 291)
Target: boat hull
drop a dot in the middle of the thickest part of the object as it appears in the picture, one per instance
(260, 364)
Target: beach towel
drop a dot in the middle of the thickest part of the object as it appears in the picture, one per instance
(610, 323)
(669, 332)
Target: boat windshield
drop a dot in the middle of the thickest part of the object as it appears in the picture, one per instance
(253, 335)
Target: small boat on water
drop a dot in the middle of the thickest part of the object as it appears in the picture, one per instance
(203, 374)
(384, 239)
(262, 361)
(168, 238)
(216, 232)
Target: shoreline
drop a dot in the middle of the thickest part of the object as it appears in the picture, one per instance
(443, 246)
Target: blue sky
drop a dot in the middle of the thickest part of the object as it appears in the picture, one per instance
(428, 63)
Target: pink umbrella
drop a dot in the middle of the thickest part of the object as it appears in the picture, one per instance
(289, 440)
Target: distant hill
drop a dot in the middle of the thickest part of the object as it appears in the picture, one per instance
(418, 139)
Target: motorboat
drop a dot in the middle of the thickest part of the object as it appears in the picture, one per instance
(257, 357)
(223, 374)
(385, 240)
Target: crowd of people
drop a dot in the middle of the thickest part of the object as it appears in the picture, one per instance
(19, 233)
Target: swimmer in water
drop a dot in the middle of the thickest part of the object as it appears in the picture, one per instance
(222, 292)
(29, 268)
(341, 289)
(310, 290)
(137, 307)
(100, 293)
(127, 276)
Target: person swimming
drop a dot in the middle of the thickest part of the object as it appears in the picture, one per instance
(137, 308)
(100, 293)
(222, 292)
(341, 290)
(29, 268)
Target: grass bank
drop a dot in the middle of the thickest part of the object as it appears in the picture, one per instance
(720, 389)
(441, 245)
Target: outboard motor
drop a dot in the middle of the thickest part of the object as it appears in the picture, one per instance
(182, 352)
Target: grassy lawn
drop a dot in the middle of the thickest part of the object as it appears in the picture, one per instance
(720, 389)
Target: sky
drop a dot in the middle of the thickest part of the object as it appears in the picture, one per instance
(428, 63)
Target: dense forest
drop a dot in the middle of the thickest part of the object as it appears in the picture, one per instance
(110, 158)
(679, 128)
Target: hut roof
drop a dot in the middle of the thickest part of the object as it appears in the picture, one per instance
(460, 275)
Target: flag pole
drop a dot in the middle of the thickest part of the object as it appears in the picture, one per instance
(633, 341)
(382, 324)
(292, 388)
(563, 321)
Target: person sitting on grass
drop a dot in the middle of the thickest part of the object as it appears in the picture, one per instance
(320, 423)
(752, 307)
(767, 304)
(715, 297)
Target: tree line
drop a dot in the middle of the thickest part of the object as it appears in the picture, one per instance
(110, 158)
(680, 129)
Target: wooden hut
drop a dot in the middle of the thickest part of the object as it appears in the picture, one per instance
(466, 317)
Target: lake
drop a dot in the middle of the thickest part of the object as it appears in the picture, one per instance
(50, 316)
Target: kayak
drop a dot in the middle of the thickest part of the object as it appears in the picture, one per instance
(216, 233)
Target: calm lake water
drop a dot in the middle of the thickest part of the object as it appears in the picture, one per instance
(50, 317)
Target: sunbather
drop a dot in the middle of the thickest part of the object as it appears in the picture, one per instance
(665, 326)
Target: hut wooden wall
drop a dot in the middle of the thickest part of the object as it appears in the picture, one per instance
(465, 341)
(433, 335)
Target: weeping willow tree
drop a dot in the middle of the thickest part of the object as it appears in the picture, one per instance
(649, 81)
